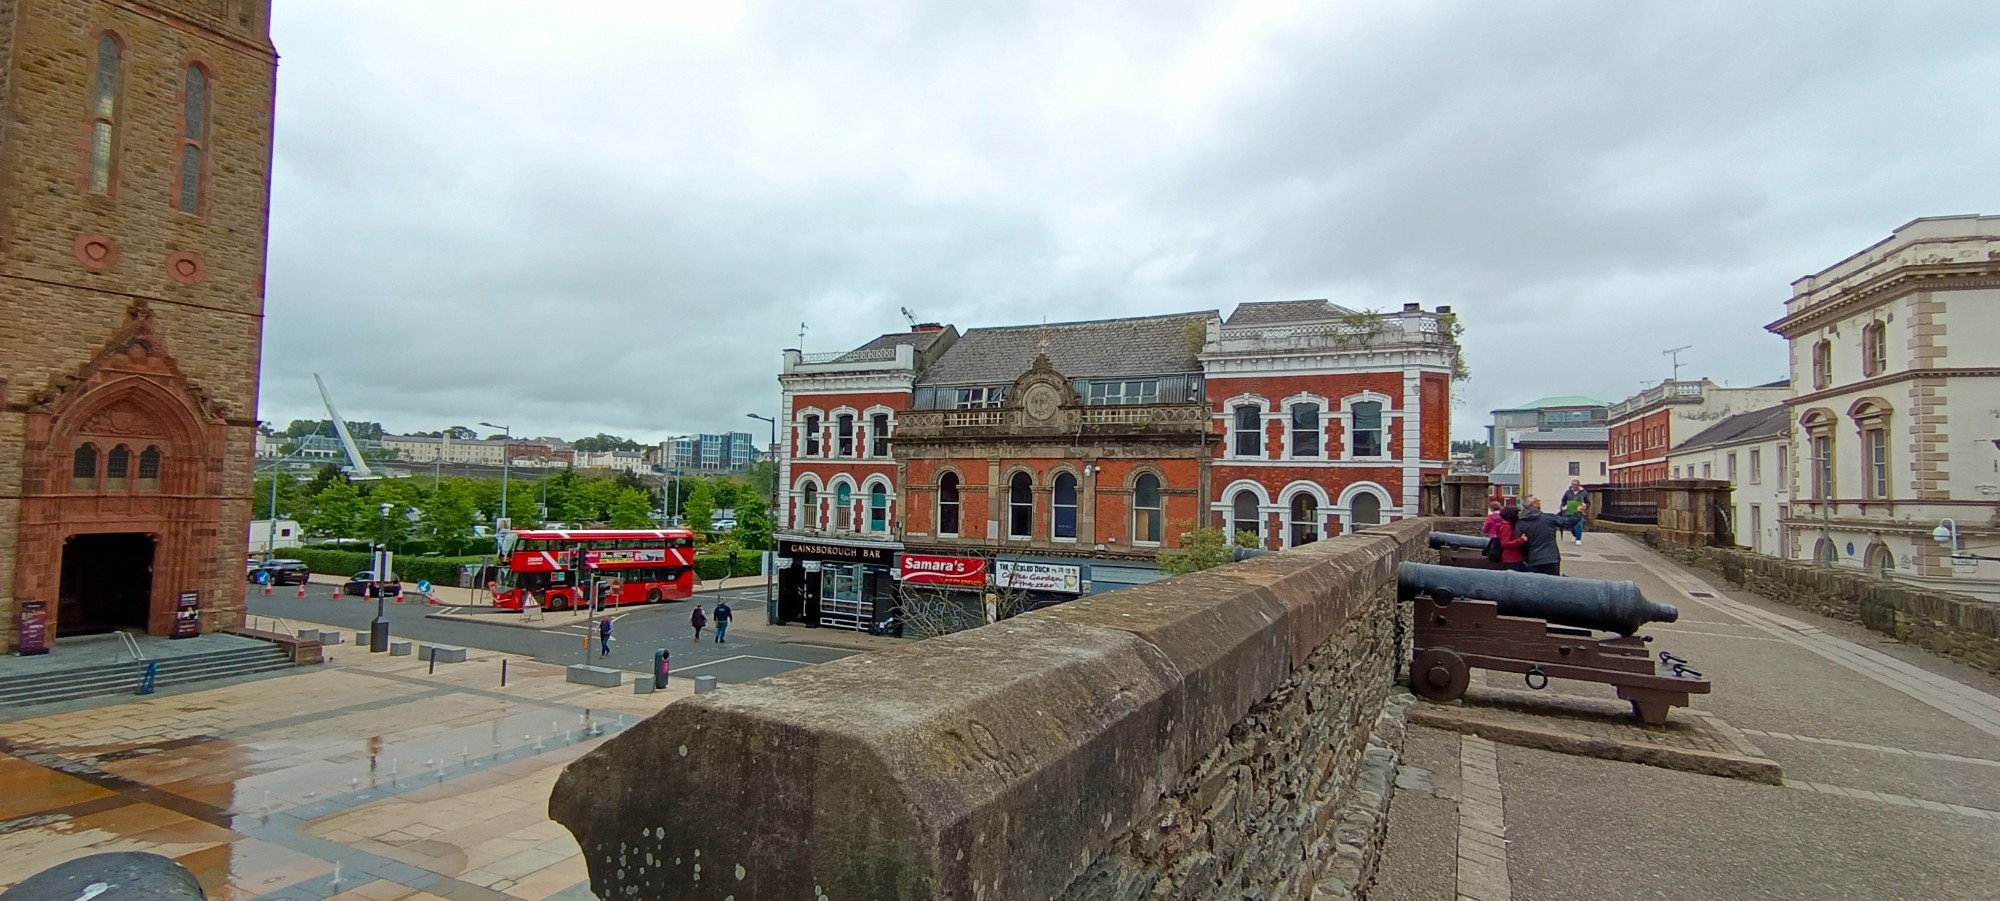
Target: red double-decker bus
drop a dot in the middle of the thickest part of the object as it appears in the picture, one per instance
(637, 566)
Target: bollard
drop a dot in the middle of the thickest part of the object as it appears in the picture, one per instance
(152, 676)
(660, 665)
(503, 670)
(434, 660)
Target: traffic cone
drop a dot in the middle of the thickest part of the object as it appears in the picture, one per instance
(336, 592)
(302, 589)
(267, 589)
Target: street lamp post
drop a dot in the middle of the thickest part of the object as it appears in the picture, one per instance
(378, 631)
(1946, 534)
(506, 458)
(771, 553)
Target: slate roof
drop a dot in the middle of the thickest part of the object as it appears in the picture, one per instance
(1755, 425)
(1562, 436)
(1264, 311)
(1507, 472)
(919, 340)
(1102, 348)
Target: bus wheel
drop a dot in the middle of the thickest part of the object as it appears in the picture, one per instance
(653, 596)
(558, 601)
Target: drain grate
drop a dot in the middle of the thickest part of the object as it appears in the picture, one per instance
(1700, 594)
(1615, 558)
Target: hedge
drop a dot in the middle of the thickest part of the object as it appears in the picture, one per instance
(712, 566)
(436, 570)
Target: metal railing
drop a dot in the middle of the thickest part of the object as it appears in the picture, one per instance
(276, 624)
(128, 645)
(871, 355)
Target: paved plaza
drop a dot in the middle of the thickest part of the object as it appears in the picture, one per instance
(1891, 761)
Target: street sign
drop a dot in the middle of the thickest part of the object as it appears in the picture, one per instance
(424, 585)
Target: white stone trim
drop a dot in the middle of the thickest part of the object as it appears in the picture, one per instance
(1264, 416)
(1284, 414)
(1346, 506)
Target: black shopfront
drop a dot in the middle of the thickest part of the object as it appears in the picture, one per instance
(837, 584)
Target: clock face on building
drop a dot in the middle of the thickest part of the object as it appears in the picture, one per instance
(1041, 402)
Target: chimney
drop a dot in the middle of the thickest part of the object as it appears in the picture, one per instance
(927, 327)
(1413, 307)
(1444, 311)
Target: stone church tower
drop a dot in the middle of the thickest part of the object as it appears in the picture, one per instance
(135, 159)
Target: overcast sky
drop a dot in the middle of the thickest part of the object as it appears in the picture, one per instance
(613, 217)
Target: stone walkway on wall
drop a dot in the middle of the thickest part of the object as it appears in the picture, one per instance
(1891, 773)
(366, 778)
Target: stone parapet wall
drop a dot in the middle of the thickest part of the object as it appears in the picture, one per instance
(1191, 738)
(1957, 626)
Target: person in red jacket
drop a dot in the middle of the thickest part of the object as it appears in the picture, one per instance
(1492, 527)
(1513, 553)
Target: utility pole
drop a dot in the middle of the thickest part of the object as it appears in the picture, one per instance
(1675, 352)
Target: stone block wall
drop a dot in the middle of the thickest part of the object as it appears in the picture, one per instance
(1957, 626)
(1192, 738)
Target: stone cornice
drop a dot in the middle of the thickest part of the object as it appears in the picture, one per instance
(1814, 397)
(1887, 287)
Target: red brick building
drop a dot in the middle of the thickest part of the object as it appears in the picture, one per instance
(134, 179)
(1329, 419)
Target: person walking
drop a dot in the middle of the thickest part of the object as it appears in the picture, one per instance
(1512, 544)
(1540, 529)
(1576, 503)
(1492, 526)
(722, 617)
(604, 637)
(699, 621)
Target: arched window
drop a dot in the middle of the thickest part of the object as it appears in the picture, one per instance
(878, 435)
(809, 506)
(149, 468)
(104, 93)
(194, 138)
(1062, 507)
(117, 468)
(843, 507)
(1021, 506)
(1244, 517)
(1825, 553)
(83, 468)
(1146, 512)
(1367, 416)
(948, 504)
(1364, 510)
(878, 509)
(1305, 430)
(812, 436)
(1305, 519)
(1249, 439)
(1882, 561)
(843, 430)
(1874, 349)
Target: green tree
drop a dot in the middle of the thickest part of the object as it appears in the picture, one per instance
(340, 512)
(602, 442)
(762, 477)
(1201, 549)
(726, 491)
(323, 478)
(633, 509)
(447, 518)
(700, 508)
(753, 522)
(293, 500)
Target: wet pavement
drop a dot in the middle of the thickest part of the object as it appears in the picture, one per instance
(369, 777)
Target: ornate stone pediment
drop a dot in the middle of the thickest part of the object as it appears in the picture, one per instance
(135, 350)
(121, 420)
(1042, 395)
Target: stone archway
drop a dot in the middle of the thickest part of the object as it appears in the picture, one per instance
(122, 468)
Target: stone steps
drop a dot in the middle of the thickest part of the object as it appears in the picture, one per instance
(124, 677)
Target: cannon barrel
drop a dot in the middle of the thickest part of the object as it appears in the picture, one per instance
(1582, 603)
(1453, 539)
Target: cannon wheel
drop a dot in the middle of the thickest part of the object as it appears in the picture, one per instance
(1438, 674)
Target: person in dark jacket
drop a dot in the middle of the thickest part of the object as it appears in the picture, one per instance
(1512, 545)
(1576, 503)
(699, 621)
(1540, 529)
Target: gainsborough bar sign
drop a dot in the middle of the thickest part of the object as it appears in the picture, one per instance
(800, 550)
(1038, 577)
(924, 569)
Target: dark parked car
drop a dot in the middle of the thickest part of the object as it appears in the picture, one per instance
(361, 583)
(283, 572)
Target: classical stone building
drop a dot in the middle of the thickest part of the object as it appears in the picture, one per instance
(135, 148)
(1647, 425)
(1895, 406)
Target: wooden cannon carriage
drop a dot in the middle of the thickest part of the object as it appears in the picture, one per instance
(1542, 627)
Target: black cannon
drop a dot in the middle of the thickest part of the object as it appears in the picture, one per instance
(1466, 551)
(1584, 603)
(1541, 627)
(1453, 539)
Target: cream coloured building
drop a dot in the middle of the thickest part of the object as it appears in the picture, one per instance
(1895, 408)
(1551, 460)
(1748, 450)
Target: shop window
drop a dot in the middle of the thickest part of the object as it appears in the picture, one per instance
(104, 111)
(948, 504)
(117, 468)
(83, 468)
(194, 138)
(843, 507)
(1020, 506)
(1146, 510)
(812, 436)
(843, 431)
(1249, 437)
(1367, 417)
(1244, 516)
(878, 435)
(878, 509)
(1062, 507)
(1305, 519)
(1305, 430)
(1365, 510)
